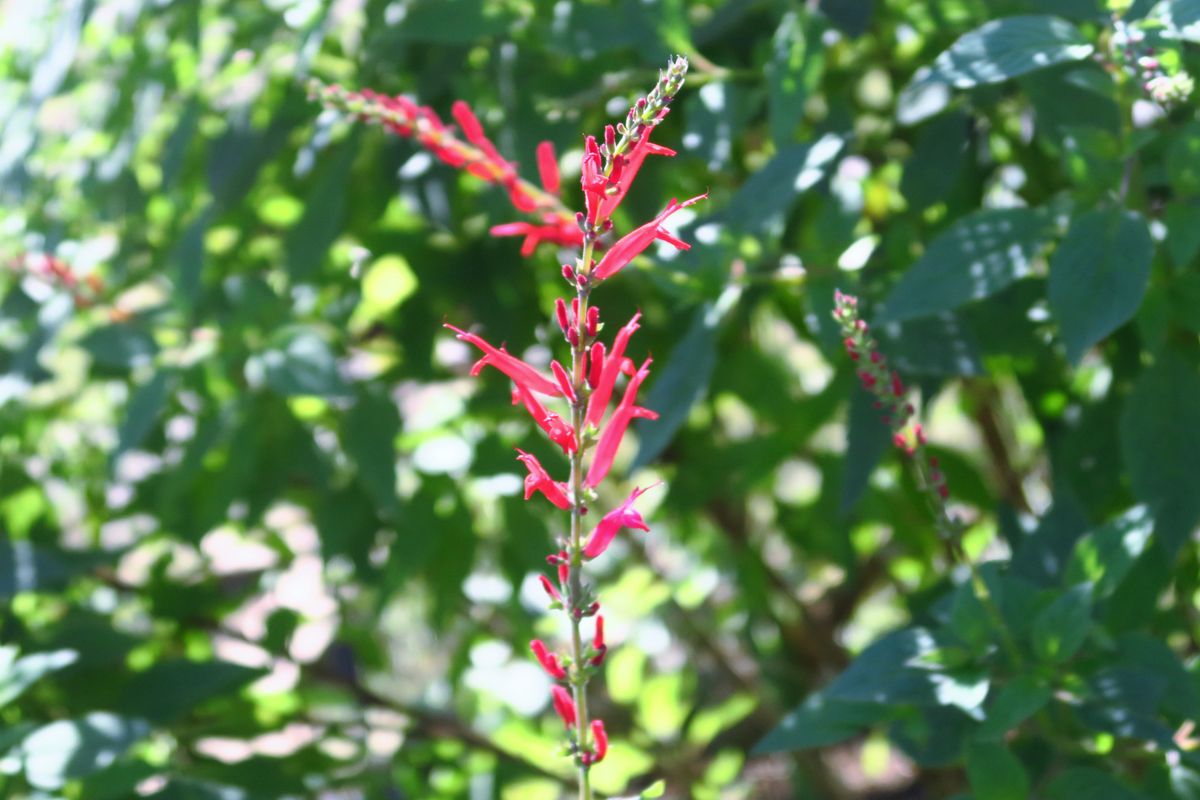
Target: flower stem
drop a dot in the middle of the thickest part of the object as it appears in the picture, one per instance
(575, 593)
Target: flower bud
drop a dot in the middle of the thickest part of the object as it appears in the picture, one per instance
(593, 320)
(600, 740)
(549, 589)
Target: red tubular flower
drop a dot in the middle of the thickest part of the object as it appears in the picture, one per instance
(595, 366)
(600, 742)
(619, 183)
(471, 128)
(555, 230)
(592, 179)
(564, 705)
(623, 516)
(632, 244)
(548, 660)
(548, 167)
(598, 646)
(538, 480)
(610, 439)
(557, 428)
(564, 380)
(522, 374)
(609, 369)
(549, 589)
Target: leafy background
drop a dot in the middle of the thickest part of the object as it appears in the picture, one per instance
(261, 537)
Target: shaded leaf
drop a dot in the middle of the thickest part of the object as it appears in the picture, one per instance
(1098, 276)
(995, 773)
(68, 749)
(974, 258)
(1062, 627)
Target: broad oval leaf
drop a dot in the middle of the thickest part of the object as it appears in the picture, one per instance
(1160, 442)
(974, 258)
(1005, 48)
(1098, 276)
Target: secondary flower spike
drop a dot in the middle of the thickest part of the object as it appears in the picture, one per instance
(631, 245)
(623, 516)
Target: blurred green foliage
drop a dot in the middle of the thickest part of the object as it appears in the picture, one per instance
(260, 537)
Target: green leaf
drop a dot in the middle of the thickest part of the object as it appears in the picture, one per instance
(1182, 18)
(308, 241)
(1183, 232)
(939, 157)
(1005, 48)
(18, 674)
(762, 203)
(819, 722)
(143, 411)
(69, 749)
(1104, 557)
(1160, 443)
(793, 73)
(685, 379)
(120, 346)
(995, 773)
(369, 433)
(974, 258)
(867, 439)
(1062, 627)
(170, 688)
(1013, 704)
(1098, 276)
(1081, 782)
(300, 361)
(656, 789)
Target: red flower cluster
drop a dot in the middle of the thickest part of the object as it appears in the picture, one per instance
(477, 155)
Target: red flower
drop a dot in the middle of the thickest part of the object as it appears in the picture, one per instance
(522, 374)
(538, 480)
(600, 738)
(622, 178)
(623, 516)
(592, 179)
(554, 230)
(564, 705)
(608, 371)
(610, 439)
(598, 644)
(632, 244)
(548, 660)
(557, 428)
(548, 167)
(549, 589)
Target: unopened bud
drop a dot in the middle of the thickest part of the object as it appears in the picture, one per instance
(610, 138)
(593, 320)
(568, 272)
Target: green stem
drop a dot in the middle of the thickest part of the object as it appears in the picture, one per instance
(575, 594)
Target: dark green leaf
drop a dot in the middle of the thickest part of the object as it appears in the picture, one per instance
(170, 688)
(1160, 441)
(1062, 627)
(1005, 48)
(995, 773)
(1104, 557)
(1013, 704)
(67, 749)
(120, 346)
(821, 721)
(684, 380)
(974, 258)
(763, 201)
(1081, 782)
(369, 434)
(301, 362)
(1098, 276)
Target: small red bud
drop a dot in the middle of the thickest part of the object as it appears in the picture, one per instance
(600, 739)
(593, 320)
(598, 638)
(564, 573)
(573, 336)
(595, 364)
(549, 589)
(943, 491)
(564, 705)
(610, 138)
(568, 272)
